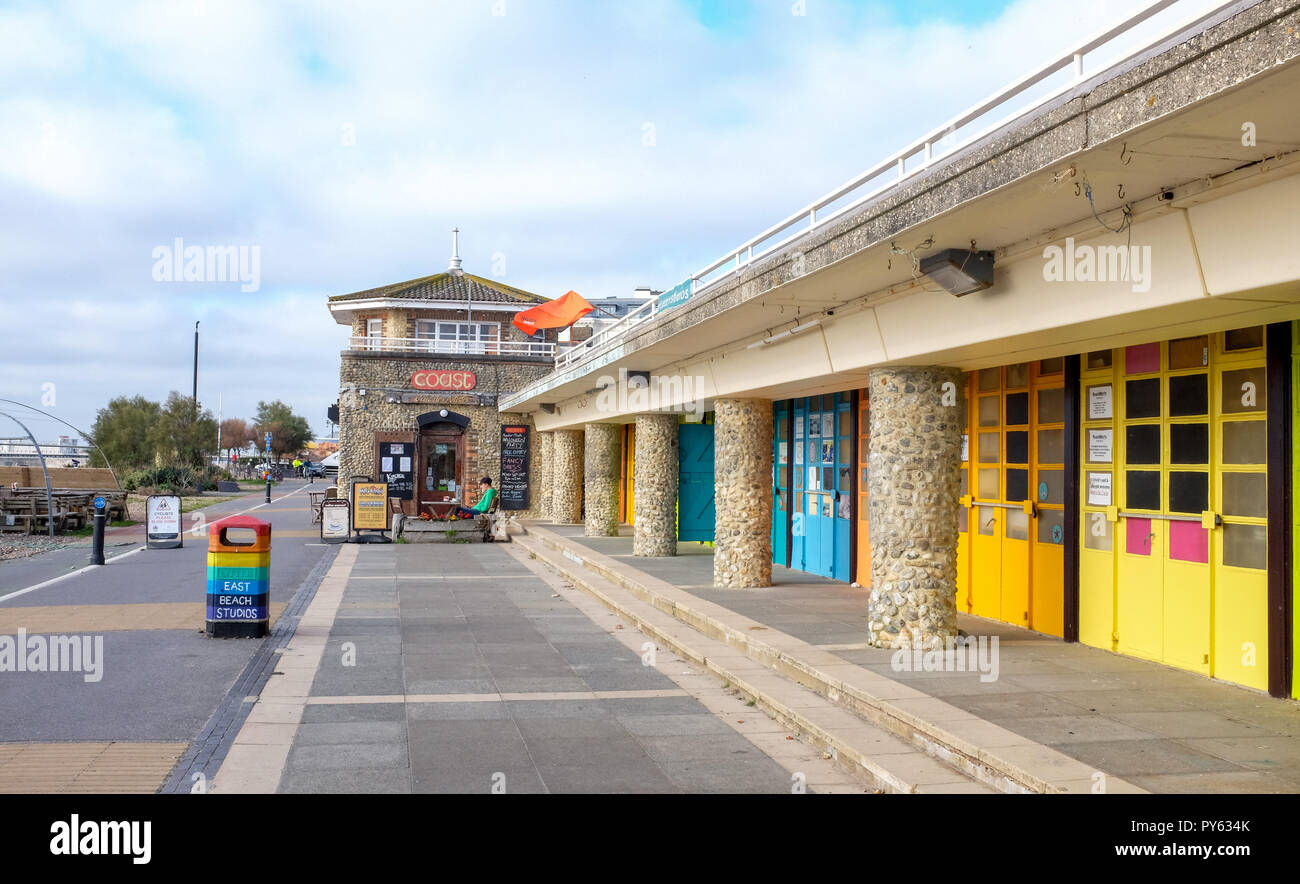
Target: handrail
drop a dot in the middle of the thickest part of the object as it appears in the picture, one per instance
(744, 254)
(471, 348)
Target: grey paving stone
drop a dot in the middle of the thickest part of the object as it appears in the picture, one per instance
(557, 709)
(344, 712)
(553, 684)
(476, 711)
(673, 725)
(716, 747)
(326, 733)
(351, 756)
(636, 778)
(451, 686)
(763, 777)
(347, 782)
(1128, 758)
(623, 677)
(655, 706)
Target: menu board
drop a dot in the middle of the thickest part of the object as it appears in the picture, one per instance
(395, 468)
(514, 468)
(370, 506)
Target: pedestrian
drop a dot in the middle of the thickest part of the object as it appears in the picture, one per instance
(297, 466)
(484, 502)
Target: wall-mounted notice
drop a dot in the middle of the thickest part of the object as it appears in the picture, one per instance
(1101, 446)
(1099, 402)
(1098, 489)
(965, 447)
(401, 482)
(514, 468)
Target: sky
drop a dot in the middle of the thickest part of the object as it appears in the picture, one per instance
(577, 145)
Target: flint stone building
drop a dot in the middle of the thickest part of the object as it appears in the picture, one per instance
(427, 362)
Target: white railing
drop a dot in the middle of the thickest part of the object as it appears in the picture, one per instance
(807, 218)
(454, 348)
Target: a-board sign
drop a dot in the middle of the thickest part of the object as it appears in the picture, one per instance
(370, 506)
(397, 468)
(335, 526)
(514, 468)
(163, 521)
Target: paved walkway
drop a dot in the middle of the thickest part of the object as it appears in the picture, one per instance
(467, 668)
(1161, 729)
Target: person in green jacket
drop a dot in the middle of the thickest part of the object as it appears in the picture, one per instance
(484, 502)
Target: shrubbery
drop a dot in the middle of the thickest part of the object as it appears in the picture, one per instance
(179, 480)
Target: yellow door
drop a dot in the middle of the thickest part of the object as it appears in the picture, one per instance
(864, 538)
(1173, 555)
(1011, 553)
(1239, 550)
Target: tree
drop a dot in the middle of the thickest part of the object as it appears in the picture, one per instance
(122, 430)
(181, 436)
(236, 434)
(289, 432)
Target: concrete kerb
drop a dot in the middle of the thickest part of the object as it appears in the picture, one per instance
(774, 698)
(979, 749)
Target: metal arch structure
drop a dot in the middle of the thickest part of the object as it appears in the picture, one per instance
(80, 432)
(49, 492)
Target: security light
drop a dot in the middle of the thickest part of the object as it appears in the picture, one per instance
(960, 271)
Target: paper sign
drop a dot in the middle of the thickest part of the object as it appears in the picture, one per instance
(1100, 446)
(405, 465)
(965, 447)
(828, 426)
(798, 426)
(781, 452)
(1099, 402)
(1099, 489)
(798, 454)
(385, 465)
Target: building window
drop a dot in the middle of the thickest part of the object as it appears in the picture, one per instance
(374, 332)
(458, 337)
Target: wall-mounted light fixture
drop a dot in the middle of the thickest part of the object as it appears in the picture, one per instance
(960, 271)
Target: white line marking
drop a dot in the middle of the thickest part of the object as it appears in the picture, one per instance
(61, 577)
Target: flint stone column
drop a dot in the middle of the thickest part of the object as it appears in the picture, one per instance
(600, 488)
(655, 478)
(913, 487)
(545, 474)
(742, 492)
(566, 477)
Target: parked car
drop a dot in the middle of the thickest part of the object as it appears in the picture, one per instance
(331, 466)
(310, 469)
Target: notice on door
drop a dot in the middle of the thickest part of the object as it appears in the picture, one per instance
(1100, 446)
(1099, 489)
(1099, 402)
(514, 468)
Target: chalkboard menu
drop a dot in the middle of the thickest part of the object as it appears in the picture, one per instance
(514, 468)
(397, 468)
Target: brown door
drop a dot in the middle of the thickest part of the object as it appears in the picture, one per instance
(442, 468)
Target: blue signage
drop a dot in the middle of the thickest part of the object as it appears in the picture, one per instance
(674, 297)
(100, 503)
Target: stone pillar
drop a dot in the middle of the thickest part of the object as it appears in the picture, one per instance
(913, 492)
(655, 478)
(600, 487)
(566, 477)
(545, 474)
(742, 492)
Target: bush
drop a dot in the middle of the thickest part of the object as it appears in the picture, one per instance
(178, 480)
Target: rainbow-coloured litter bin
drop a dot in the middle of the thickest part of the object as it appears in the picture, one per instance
(239, 581)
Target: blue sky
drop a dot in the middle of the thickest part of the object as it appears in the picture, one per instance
(597, 147)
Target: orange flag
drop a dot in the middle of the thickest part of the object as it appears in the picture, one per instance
(562, 312)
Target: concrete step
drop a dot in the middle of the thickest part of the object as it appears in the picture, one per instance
(1001, 759)
(890, 762)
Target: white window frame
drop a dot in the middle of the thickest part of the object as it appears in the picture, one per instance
(374, 333)
(449, 336)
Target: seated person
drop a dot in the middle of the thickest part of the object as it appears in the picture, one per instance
(480, 508)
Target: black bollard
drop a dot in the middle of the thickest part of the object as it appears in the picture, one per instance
(97, 536)
(268, 487)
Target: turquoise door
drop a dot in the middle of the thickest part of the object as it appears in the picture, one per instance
(822, 485)
(780, 482)
(695, 513)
